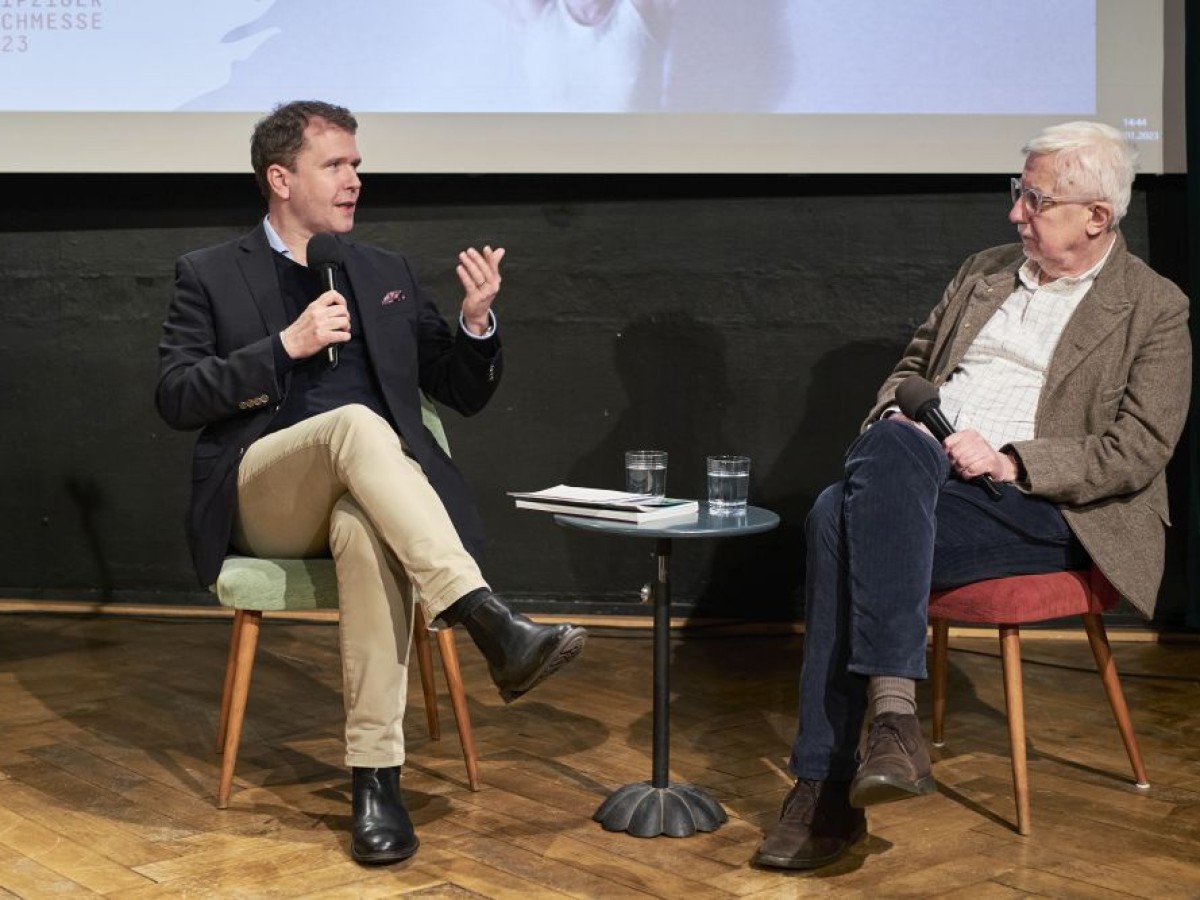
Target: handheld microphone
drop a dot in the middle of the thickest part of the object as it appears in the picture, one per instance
(920, 401)
(325, 254)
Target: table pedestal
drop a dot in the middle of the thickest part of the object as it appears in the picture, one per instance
(676, 810)
(651, 808)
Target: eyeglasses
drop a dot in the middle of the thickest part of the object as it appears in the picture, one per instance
(1036, 202)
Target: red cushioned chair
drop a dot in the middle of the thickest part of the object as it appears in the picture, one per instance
(1009, 603)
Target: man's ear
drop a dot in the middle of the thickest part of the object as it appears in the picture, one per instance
(1100, 218)
(279, 181)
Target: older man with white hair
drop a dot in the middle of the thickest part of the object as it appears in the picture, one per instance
(1064, 366)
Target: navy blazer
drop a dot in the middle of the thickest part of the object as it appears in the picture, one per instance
(217, 373)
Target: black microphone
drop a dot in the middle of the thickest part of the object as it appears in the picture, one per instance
(919, 400)
(325, 254)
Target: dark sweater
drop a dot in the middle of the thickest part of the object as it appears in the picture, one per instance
(316, 386)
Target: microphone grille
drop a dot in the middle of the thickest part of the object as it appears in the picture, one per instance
(913, 393)
(324, 249)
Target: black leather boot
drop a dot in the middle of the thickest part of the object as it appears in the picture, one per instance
(520, 653)
(382, 832)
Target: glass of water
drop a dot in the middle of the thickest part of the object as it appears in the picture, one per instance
(728, 484)
(646, 472)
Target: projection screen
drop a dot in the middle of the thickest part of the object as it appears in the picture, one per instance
(602, 86)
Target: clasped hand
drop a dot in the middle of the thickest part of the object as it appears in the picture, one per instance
(325, 321)
(971, 455)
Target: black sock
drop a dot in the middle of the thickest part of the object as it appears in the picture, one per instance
(462, 608)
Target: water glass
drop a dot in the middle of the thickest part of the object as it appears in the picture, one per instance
(728, 484)
(646, 472)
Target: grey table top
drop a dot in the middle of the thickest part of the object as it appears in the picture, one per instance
(703, 525)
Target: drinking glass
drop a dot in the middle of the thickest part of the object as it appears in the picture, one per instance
(728, 484)
(646, 472)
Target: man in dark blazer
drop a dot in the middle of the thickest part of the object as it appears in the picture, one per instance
(1064, 364)
(312, 440)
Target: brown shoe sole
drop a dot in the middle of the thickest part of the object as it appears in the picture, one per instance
(872, 790)
(809, 862)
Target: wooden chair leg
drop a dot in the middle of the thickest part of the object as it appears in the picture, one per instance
(458, 699)
(425, 664)
(247, 623)
(938, 677)
(227, 685)
(1014, 698)
(1098, 638)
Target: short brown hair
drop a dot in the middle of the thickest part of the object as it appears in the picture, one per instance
(279, 136)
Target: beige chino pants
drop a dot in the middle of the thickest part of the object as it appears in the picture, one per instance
(342, 483)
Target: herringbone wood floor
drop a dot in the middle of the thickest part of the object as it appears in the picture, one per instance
(107, 774)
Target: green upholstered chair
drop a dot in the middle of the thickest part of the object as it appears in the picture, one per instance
(251, 586)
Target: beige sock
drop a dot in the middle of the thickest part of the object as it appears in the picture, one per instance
(894, 695)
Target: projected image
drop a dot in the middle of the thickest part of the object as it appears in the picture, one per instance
(591, 55)
(515, 56)
(554, 56)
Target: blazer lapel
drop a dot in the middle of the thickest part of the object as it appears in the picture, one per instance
(987, 295)
(373, 288)
(258, 269)
(368, 284)
(1102, 309)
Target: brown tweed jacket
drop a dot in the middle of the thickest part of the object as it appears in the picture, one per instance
(1112, 408)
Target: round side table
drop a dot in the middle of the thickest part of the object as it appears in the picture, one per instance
(659, 806)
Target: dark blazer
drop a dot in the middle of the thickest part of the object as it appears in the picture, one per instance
(217, 373)
(1111, 410)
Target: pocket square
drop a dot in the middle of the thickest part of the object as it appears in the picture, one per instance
(392, 297)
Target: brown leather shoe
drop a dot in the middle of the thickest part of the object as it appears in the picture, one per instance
(896, 765)
(817, 825)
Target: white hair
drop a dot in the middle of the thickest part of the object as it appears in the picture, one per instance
(1090, 159)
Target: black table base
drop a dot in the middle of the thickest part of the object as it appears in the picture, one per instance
(660, 806)
(676, 810)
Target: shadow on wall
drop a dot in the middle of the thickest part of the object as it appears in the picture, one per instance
(90, 501)
(762, 577)
(673, 372)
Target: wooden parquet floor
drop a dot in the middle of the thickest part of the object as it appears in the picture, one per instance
(107, 774)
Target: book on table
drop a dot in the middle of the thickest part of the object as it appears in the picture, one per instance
(599, 503)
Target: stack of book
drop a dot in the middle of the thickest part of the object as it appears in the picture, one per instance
(602, 504)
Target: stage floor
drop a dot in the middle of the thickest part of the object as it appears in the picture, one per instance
(107, 772)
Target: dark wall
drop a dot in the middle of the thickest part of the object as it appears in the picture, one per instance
(694, 314)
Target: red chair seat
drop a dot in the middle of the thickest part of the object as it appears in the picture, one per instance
(1022, 599)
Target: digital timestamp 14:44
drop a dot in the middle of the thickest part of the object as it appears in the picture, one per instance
(1137, 128)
